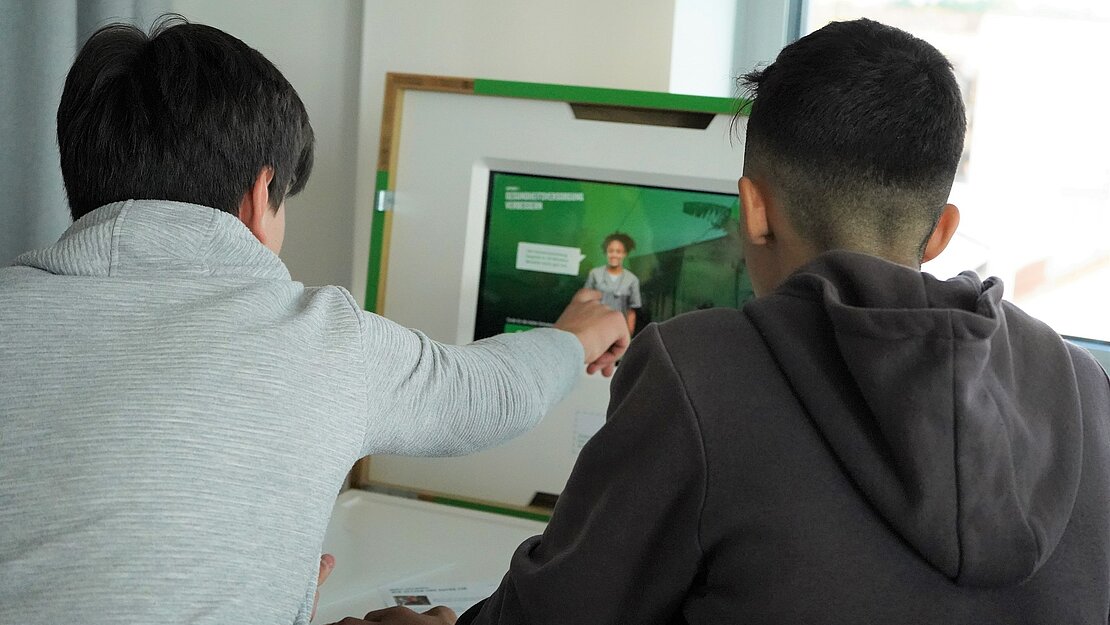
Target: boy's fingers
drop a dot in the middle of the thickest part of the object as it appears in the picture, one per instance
(327, 565)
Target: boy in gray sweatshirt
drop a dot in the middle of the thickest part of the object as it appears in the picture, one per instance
(177, 414)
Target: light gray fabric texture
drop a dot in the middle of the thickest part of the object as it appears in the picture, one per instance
(622, 294)
(38, 42)
(177, 416)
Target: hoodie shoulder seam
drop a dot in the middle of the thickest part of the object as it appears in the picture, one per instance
(696, 421)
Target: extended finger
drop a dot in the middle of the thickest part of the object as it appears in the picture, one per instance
(327, 565)
(604, 364)
(620, 347)
(596, 365)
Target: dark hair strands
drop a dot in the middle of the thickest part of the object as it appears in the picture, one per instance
(860, 128)
(185, 113)
(627, 241)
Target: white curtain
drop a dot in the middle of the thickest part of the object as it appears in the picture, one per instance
(38, 41)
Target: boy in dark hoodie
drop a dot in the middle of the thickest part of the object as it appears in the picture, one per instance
(863, 443)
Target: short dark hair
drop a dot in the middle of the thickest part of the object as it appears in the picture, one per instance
(187, 113)
(624, 239)
(859, 127)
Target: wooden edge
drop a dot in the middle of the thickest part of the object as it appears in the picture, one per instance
(645, 116)
(359, 475)
(535, 513)
(395, 86)
(389, 145)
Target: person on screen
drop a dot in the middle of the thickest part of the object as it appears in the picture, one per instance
(619, 287)
(176, 413)
(862, 442)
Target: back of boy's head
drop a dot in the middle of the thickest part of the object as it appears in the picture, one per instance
(858, 128)
(187, 113)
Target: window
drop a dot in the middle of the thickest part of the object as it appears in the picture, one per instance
(1034, 184)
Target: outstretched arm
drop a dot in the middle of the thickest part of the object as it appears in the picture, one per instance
(429, 398)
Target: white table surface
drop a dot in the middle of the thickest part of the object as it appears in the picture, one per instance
(382, 541)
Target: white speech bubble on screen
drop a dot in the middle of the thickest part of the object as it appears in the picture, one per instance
(548, 258)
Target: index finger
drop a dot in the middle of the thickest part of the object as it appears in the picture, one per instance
(618, 348)
(327, 565)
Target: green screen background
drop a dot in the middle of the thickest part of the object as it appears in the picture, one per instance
(688, 252)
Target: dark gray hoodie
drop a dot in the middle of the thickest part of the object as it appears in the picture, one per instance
(865, 445)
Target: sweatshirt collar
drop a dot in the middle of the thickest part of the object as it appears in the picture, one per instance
(137, 238)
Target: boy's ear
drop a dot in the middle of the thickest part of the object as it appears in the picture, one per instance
(942, 233)
(753, 204)
(255, 203)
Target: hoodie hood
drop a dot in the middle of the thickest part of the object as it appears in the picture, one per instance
(956, 415)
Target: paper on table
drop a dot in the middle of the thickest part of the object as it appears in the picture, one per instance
(458, 597)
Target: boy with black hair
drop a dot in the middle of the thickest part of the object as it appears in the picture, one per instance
(862, 443)
(177, 414)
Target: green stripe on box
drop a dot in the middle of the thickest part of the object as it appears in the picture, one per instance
(377, 234)
(614, 97)
(517, 327)
(470, 505)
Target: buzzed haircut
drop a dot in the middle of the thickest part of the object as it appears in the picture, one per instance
(185, 113)
(859, 128)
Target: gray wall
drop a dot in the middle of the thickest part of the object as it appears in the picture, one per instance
(317, 45)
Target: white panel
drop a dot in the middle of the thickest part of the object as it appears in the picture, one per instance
(448, 144)
(702, 48)
(380, 542)
(618, 44)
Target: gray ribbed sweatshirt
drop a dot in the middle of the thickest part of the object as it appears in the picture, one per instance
(177, 415)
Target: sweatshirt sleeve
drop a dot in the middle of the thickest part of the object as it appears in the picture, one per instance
(622, 545)
(426, 398)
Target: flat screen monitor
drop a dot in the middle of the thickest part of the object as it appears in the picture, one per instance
(545, 238)
(1099, 349)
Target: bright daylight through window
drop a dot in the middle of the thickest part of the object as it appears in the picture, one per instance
(1034, 184)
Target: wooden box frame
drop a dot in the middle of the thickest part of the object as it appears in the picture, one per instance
(616, 105)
